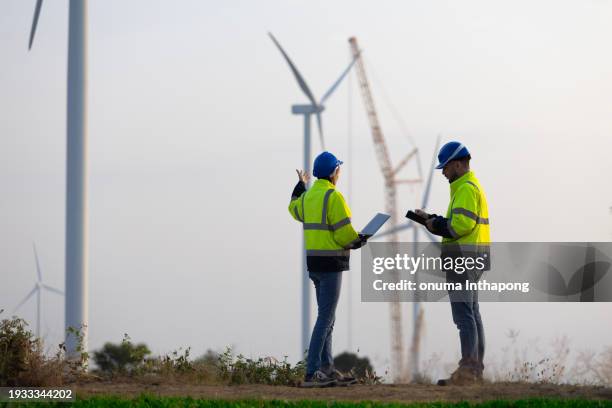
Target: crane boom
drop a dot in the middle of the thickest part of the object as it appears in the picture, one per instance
(382, 152)
(384, 161)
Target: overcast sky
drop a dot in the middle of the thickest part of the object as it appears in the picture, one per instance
(192, 151)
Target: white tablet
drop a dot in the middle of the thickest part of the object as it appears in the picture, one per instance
(375, 224)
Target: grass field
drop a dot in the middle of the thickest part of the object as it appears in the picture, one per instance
(225, 380)
(406, 393)
(167, 402)
(488, 395)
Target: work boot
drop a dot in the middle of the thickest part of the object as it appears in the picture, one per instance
(318, 380)
(463, 375)
(342, 379)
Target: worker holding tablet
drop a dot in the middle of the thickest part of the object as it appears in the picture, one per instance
(465, 226)
(328, 236)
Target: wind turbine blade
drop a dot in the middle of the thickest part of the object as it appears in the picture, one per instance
(37, 263)
(431, 171)
(28, 296)
(338, 81)
(296, 73)
(52, 289)
(320, 126)
(34, 22)
(394, 229)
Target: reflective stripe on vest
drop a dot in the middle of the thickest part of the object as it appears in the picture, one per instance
(326, 227)
(297, 214)
(470, 214)
(450, 229)
(323, 225)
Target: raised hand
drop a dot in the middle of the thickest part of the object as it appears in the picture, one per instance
(303, 176)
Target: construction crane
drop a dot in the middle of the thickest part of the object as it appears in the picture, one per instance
(389, 173)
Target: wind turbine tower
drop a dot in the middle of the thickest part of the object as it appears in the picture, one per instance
(76, 305)
(307, 110)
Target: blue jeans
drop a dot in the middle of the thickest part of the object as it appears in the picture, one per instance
(327, 288)
(466, 316)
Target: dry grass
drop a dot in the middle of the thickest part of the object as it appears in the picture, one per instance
(529, 362)
(23, 362)
(595, 368)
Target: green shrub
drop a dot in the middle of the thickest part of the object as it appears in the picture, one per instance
(242, 370)
(22, 359)
(351, 362)
(122, 358)
(16, 347)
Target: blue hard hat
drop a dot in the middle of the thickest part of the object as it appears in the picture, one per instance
(451, 151)
(325, 164)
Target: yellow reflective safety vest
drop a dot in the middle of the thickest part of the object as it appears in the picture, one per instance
(328, 233)
(468, 213)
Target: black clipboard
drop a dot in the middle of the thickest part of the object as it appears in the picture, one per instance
(416, 218)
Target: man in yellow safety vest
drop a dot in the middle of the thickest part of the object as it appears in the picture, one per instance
(465, 230)
(328, 237)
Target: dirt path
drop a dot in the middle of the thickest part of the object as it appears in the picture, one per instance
(354, 393)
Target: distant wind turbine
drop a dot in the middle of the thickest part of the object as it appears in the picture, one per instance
(314, 108)
(39, 286)
(76, 305)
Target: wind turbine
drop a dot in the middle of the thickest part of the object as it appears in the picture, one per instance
(39, 286)
(307, 110)
(76, 305)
